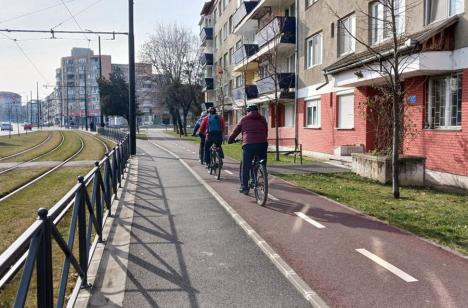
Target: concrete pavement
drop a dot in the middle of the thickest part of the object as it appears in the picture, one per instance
(349, 259)
(182, 249)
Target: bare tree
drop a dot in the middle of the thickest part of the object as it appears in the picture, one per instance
(388, 47)
(273, 34)
(173, 52)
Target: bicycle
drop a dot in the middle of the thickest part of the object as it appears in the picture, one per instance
(216, 161)
(258, 180)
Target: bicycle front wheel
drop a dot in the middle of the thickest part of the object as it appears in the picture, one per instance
(261, 185)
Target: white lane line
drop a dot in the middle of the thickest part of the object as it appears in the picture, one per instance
(270, 196)
(310, 220)
(228, 172)
(395, 270)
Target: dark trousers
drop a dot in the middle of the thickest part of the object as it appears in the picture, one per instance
(201, 151)
(248, 152)
(213, 138)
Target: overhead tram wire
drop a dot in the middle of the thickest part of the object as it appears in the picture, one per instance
(34, 12)
(78, 13)
(25, 55)
(74, 18)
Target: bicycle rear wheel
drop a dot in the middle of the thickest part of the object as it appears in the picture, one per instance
(213, 163)
(220, 164)
(261, 185)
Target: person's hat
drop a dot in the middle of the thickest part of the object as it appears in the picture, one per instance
(252, 107)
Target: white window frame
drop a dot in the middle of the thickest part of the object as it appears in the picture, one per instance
(378, 21)
(310, 49)
(349, 32)
(314, 103)
(340, 115)
(448, 103)
(289, 115)
(447, 14)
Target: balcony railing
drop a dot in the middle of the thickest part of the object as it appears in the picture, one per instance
(244, 52)
(206, 34)
(279, 26)
(208, 84)
(248, 91)
(283, 80)
(243, 10)
(206, 59)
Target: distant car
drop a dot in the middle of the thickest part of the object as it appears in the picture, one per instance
(7, 126)
(27, 126)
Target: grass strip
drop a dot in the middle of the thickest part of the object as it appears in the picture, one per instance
(11, 180)
(16, 144)
(234, 151)
(93, 150)
(70, 146)
(53, 142)
(439, 216)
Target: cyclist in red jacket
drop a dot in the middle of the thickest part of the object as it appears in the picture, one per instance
(213, 127)
(254, 129)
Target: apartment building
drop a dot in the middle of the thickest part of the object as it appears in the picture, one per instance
(320, 105)
(218, 45)
(9, 104)
(76, 84)
(148, 99)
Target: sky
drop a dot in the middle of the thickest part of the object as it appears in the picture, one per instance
(19, 75)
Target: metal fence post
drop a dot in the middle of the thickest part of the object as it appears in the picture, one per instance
(45, 287)
(98, 200)
(83, 243)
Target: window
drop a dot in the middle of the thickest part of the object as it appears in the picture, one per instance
(225, 59)
(346, 111)
(314, 50)
(289, 115)
(310, 2)
(380, 20)
(346, 34)
(225, 31)
(440, 9)
(291, 65)
(263, 71)
(313, 113)
(265, 112)
(230, 24)
(444, 102)
(239, 81)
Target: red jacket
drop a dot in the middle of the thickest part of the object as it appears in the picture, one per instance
(254, 129)
(204, 125)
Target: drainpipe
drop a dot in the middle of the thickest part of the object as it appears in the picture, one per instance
(296, 75)
(323, 84)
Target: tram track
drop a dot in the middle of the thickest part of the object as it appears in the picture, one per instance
(38, 178)
(49, 136)
(35, 158)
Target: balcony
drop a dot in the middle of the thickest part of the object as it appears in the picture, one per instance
(206, 59)
(243, 10)
(284, 80)
(244, 52)
(206, 34)
(248, 91)
(208, 84)
(280, 26)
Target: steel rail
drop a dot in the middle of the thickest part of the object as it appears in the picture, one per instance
(44, 174)
(29, 149)
(33, 247)
(35, 158)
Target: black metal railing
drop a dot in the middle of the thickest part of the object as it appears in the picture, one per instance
(88, 204)
(242, 11)
(245, 92)
(280, 81)
(282, 27)
(244, 52)
(208, 83)
(206, 34)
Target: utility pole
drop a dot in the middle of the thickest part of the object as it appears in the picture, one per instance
(85, 96)
(31, 113)
(38, 106)
(131, 78)
(100, 77)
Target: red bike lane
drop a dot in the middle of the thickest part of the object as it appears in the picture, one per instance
(348, 258)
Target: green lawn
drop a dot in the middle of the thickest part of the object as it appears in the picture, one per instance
(441, 217)
(20, 143)
(142, 136)
(234, 151)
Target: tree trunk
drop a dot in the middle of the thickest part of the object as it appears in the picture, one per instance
(277, 157)
(396, 145)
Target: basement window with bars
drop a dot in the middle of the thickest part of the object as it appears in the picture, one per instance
(444, 102)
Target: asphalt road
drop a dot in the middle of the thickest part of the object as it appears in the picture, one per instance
(187, 251)
(349, 259)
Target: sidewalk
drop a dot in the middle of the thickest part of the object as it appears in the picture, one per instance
(173, 245)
